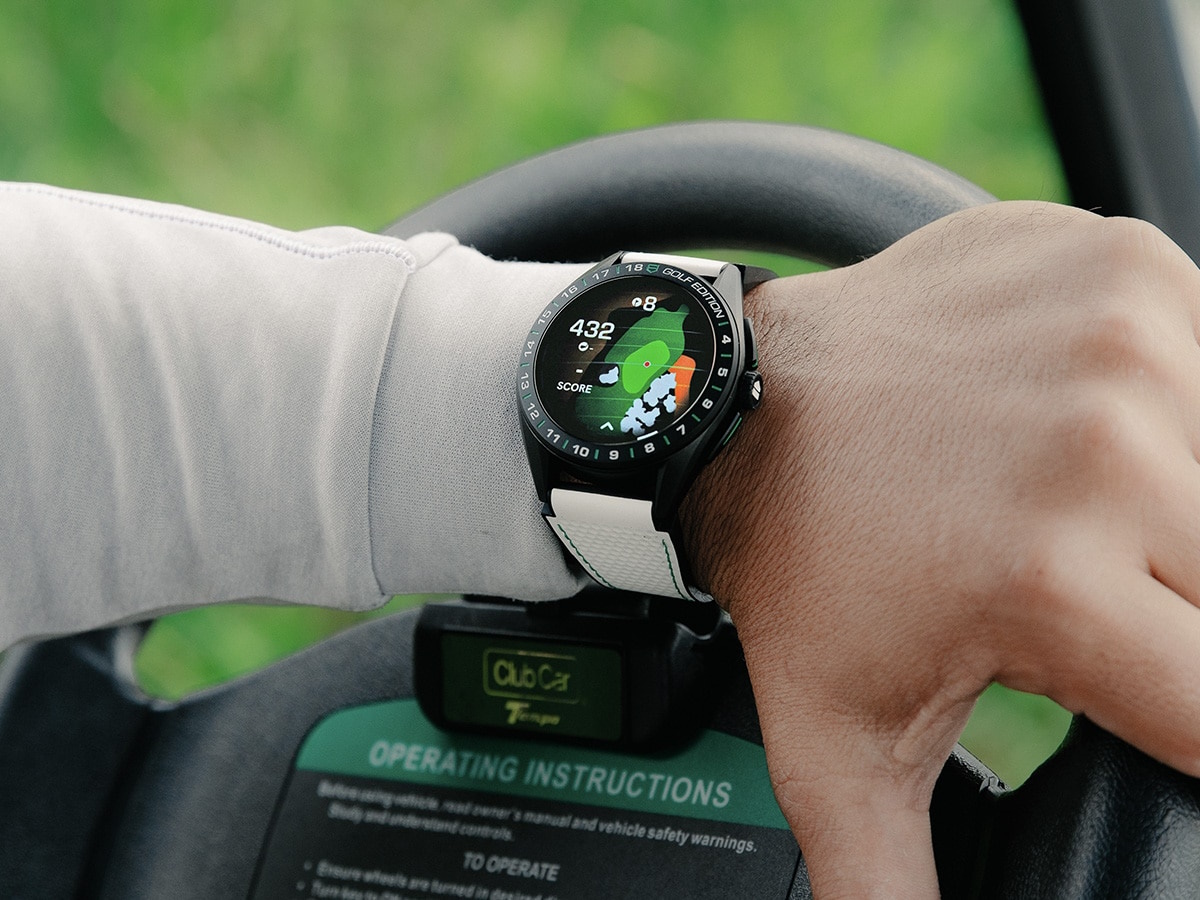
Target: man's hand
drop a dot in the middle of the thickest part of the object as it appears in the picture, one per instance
(976, 460)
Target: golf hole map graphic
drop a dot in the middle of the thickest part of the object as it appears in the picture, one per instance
(644, 375)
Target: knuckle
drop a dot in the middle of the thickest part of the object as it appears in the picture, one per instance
(1137, 254)
(1136, 297)
(1133, 243)
(1127, 258)
(1097, 435)
(1117, 338)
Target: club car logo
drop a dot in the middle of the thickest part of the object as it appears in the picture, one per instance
(523, 678)
(529, 675)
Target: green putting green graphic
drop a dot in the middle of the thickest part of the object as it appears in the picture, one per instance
(644, 375)
(642, 365)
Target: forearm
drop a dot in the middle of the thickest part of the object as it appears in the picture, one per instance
(192, 412)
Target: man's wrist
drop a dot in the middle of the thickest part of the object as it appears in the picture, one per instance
(722, 515)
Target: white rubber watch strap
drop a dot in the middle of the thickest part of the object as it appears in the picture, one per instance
(614, 538)
(615, 541)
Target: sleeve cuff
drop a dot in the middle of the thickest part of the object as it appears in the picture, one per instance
(452, 505)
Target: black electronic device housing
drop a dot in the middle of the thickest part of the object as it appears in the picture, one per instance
(671, 652)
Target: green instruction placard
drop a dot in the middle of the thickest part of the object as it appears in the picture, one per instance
(383, 805)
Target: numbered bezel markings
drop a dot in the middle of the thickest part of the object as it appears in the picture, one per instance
(707, 406)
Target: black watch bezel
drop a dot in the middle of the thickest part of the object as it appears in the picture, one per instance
(709, 409)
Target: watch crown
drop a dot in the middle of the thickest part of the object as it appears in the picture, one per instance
(750, 390)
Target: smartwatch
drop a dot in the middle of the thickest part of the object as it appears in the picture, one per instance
(631, 380)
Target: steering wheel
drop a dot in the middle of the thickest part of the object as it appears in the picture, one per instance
(107, 793)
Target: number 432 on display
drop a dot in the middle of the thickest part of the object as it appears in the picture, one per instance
(593, 329)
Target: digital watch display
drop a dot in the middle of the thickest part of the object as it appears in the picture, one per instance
(630, 361)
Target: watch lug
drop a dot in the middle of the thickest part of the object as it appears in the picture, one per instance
(676, 476)
(729, 285)
(541, 466)
(750, 355)
(603, 264)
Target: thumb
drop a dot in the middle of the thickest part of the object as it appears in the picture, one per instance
(860, 837)
(854, 755)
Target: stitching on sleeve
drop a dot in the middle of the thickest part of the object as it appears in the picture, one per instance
(218, 223)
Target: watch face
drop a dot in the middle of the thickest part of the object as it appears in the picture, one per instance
(630, 361)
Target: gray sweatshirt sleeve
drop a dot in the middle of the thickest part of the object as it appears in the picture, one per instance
(196, 409)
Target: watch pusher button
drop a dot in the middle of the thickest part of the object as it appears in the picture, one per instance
(751, 344)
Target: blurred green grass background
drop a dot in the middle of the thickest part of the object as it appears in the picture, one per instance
(308, 112)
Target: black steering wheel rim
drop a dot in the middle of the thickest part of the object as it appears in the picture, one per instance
(804, 192)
